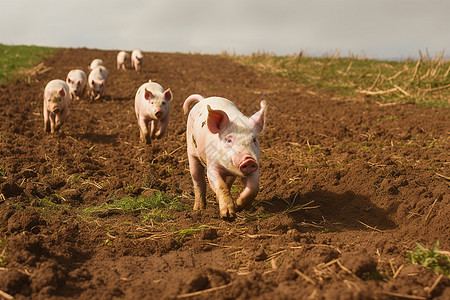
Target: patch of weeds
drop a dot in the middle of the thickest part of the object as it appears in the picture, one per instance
(51, 205)
(3, 249)
(156, 215)
(16, 206)
(141, 204)
(314, 148)
(430, 258)
(257, 217)
(373, 276)
(129, 189)
(189, 231)
(107, 242)
(2, 171)
(293, 208)
(74, 178)
(389, 118)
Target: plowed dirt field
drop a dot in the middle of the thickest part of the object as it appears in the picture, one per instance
(347, 188)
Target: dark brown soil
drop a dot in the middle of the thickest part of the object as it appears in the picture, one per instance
(348, 186)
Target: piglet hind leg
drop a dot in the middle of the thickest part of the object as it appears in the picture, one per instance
(249, 193)
(199, 181)
(226, 205)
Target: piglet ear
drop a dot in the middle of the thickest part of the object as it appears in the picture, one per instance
(148, 95)
(217, 120)
(258, 119)
(168, 95)
(62, 92)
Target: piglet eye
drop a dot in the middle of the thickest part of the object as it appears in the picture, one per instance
(229, 141)
(255, 140)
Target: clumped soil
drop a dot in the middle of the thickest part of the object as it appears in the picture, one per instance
(348, 187)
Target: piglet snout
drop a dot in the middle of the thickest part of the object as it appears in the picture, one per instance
(158, 114)
(248, 166)
(56, 109)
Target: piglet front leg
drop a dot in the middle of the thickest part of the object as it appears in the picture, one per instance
(143, 130)
(46, 121)
(162, 127)
(250, 191)
(219, 186)
(58, 121)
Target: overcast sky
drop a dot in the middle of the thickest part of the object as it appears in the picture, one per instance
(378, 28)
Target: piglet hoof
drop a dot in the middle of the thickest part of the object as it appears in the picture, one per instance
(228, 214)
(199, 206)
(242, 206)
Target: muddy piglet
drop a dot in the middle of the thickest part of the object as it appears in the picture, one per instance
(76, 80)
(97, 81)
(136, 59)
(122, 56)
(56, 105)
(223, 141)
(152, 107)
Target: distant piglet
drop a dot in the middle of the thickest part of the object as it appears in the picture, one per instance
(95, 63)
(136, 59)
(225, 142)
(97, 81)
(76, 79)
(152, 106)
(122, 56)
(56, 105)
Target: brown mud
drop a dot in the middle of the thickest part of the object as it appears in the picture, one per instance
(348, 186)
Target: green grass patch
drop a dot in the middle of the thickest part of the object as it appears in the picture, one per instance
(14, 59)
(257, 217)
(430, 258)
(154, 208)
(389, 118)
(425, 81)
(2, 171)
(51, 205)
(189, 231)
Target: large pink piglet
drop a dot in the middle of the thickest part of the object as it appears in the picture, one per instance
(224, 143)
